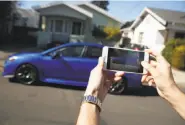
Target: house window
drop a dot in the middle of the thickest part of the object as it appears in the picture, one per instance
(179, 35)
(140, 39)
(51, 26)
(66, 26)
(101, 27)
(125, 34)
(76, 29)
(58, 26)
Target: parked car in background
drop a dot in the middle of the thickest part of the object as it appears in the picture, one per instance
(68, 64)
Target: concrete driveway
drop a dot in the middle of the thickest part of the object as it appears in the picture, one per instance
(59, 105)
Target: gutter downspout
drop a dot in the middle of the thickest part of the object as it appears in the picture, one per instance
(166, 34)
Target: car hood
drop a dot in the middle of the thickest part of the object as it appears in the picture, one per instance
(25, 54)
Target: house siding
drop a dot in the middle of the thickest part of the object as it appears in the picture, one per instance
(62, 10)
(100, 19)
(152, 30)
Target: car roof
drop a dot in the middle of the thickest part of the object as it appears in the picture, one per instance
(85, 44)
(72, 44)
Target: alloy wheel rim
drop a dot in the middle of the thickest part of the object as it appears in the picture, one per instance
(26, 74)
(117, 87)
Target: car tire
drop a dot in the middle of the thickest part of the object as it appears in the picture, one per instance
(26, 74)
(119, 88)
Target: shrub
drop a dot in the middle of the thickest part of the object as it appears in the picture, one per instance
(112, 33)
(98, 32)
(178, 57)
(170, 47)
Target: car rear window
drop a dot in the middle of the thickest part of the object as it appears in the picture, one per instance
(94, 52)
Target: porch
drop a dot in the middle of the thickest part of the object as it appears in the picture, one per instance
(64, 23)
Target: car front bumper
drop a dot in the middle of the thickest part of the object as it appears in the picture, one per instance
(9, 70)
(8, 76)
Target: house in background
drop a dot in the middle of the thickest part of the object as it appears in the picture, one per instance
(66, 22)
(154, 27)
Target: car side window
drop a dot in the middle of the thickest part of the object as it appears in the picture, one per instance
(94, 52)
(71, 51)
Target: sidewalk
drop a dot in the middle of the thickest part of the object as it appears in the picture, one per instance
(179, 77)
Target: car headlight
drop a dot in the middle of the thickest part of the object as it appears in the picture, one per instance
(13, 58)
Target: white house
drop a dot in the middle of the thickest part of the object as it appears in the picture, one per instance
(66, 22)
(154, 26)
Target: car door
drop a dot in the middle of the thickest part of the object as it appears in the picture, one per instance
(90, 60)
(67, 65)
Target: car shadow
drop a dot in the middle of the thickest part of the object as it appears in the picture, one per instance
(61, 86)
(144, 91)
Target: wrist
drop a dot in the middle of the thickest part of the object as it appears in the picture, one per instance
(90, 107)
(91, 92)
(92, 100)
(171, 92)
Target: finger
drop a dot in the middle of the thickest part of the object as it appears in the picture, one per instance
(154, 85)
(100, 62)
(109, 74)
(150, 83)
(143, 79)
(149, 67)
(153, 63)
(119, 73)
(116, 79)
(150, 79)
(152, 52)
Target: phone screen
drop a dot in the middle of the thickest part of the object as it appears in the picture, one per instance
(125, 60)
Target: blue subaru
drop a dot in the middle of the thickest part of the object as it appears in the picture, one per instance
(68, 64)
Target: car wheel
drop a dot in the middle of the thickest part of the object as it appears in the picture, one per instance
(26, 74)
(118, 87)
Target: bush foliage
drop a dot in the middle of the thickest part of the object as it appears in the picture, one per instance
(109, 33)
(174, 52)
(98, 32)
(112, 33)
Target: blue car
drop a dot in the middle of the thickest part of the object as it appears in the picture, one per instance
(68, 64)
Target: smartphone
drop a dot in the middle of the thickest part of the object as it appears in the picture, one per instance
(127, 60)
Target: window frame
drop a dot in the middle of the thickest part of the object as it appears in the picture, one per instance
(181, 33)
(85, 55)
(81, 28)
(140, 37)
(81, 55)
(63, 25)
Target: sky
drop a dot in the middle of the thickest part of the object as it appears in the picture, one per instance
(125, 10)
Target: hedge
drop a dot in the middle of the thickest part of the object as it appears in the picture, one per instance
(174, 52)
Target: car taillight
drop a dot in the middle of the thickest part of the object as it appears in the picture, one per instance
(136, 49)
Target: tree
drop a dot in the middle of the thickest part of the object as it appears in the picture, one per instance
(7, 16)
(127, 24)
(102, 4)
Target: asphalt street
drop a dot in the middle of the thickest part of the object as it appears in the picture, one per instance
(46, 104)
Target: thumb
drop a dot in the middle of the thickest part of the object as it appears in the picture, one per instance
(149, 67)
(100, 62)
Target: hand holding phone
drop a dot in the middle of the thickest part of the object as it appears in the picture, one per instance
(127, 60)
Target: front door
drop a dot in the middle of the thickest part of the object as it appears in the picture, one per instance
(66, 66)
(90, 60)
